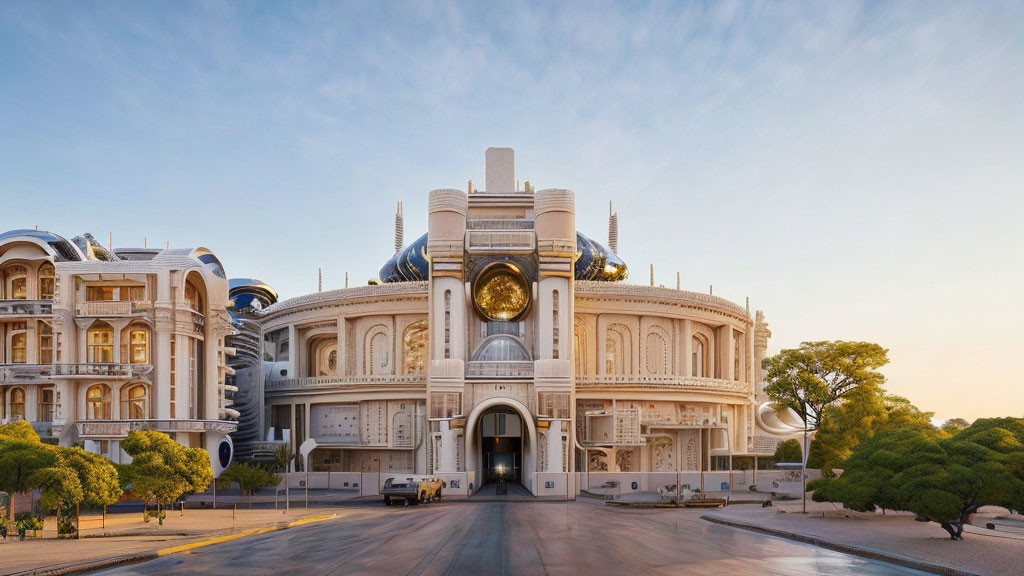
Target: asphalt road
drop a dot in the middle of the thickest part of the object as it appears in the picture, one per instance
(582, 537)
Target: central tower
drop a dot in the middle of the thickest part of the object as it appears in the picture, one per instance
(501, 354)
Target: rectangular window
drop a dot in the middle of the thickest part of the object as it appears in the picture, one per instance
(18, 289)
(99, 293)
(19, 348)
(45, 343)
(46, 288)
(132, 293)
(46, 403)
(101, 346)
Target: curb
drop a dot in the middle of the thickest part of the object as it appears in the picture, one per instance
(115, 561)
(870, 554)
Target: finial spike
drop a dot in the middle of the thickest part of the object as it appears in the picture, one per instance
(711, 289)
(613, 230)
(652, 274)
(346, 279)
(748, 305)
(110, 242)
(399, 228)
(319, 279)
(470, 188)
(144, 241)
(677, 281)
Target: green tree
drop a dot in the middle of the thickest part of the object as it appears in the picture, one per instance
(866, 411)
(162, 468)
(249, 478)
(789, 451)
(22, 455)
(944, 479)
(818, 375)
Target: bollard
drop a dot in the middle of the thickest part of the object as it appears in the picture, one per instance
(234, 509)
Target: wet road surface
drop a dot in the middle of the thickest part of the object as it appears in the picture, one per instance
(582, 537)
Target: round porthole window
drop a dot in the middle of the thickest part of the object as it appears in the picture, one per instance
(501, 293)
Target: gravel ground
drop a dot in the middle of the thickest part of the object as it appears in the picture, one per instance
(895, 534)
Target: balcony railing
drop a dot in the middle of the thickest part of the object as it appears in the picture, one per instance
(26, 308)
(487, 370)
(112, 308)
(329, 382)
(499, 224)
(103, 370)
(24, 373)
(663, 383)
(121, 428)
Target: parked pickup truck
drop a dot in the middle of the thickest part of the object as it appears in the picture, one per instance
(411, 490)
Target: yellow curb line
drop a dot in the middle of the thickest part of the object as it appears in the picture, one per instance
(252, 532)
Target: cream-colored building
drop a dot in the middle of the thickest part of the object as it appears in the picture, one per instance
(503, 342)
(97, 343)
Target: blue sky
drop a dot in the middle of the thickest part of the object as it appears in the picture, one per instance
(856, 169)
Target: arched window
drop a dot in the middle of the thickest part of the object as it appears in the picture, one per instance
(16, 282)
(47, 396)
(101, 343)
(46, 282)
(134, 402)
(19, 347)
(502, 348)
(17, 403)
(138, 347)
(699, 362)
(193, 296)
(97, 402)
(414, 353)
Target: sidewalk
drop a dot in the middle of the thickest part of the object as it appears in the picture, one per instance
(893, 537)
(128, 536)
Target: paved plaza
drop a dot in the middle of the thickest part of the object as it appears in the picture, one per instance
(582, 537)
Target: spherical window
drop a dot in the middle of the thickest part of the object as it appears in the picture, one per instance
(501, 293)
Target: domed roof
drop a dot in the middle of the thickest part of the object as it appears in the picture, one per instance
(408, 264)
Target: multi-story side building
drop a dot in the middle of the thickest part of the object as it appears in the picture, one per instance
(504, 342)
(97, 343)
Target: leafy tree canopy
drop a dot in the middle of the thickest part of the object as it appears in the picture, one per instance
(865, 412)
(19, 430)
(789, 451)
(941, 478)
(249, 478)
(818, 375)
(162, 467)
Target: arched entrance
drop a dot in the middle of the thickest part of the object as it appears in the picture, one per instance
(501, 445)
(501, 437)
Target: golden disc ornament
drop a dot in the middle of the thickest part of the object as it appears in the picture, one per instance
(501, 293)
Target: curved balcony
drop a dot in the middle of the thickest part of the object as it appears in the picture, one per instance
(112, 308)
(487, 370)
(25, 308)
(98, 371)
(662, 383)
(121, 428)
(25, 373)
(342, 383)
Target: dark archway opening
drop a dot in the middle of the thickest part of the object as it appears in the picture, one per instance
(501, 445)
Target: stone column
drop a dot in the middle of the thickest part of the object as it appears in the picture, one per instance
(688, 348)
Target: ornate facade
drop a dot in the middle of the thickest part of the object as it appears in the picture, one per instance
(99, 342)
(504, 343)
